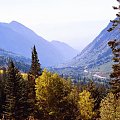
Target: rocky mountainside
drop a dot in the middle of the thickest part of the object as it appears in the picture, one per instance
(98, 52)
(95, 61)
(19, 39)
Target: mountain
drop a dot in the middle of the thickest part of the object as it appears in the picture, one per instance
(21, 62)
(97, 55)
(67, 51)
(18, 38)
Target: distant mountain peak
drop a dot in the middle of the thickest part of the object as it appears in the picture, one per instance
(68, 51)
(20, 39)
(15, 23)
(62, 43)
(20, 28)
(57, 41)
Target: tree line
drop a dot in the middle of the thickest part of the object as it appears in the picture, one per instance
(42, 95)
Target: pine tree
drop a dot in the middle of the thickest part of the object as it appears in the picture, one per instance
(1, 90)
(35, 69)
(115, 46)
(115, 22)
(24, 104)
(35, 72)
(115, 75)
(2, 93)
(98, 92)
(31, 96)
(13, 93)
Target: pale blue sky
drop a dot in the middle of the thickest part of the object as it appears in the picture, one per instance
(75, 22)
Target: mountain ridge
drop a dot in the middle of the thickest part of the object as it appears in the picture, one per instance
(18, 38)
(97, 53)
(63, 48)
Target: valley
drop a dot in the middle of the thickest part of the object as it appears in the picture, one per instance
(63, 59)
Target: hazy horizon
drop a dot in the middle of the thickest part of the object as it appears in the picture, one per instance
(74, 22)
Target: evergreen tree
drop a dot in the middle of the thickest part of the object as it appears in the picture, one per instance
(115, 22)
(35, 72)
(1, 90)
(31, 96)
(2, 93)
(35, 69)
(24, 104)
(115, 46)
(13, 93)
(115, 75)
(98, 92)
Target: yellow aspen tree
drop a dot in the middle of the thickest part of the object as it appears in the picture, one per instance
(86, 105)
(110, 108)
(55, 97)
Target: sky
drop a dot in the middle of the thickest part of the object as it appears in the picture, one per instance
(75, 22)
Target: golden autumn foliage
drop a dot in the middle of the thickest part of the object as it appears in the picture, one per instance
(55, 97)
(110, 108)
(86, 105)
(1, 71)
(24, 76)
